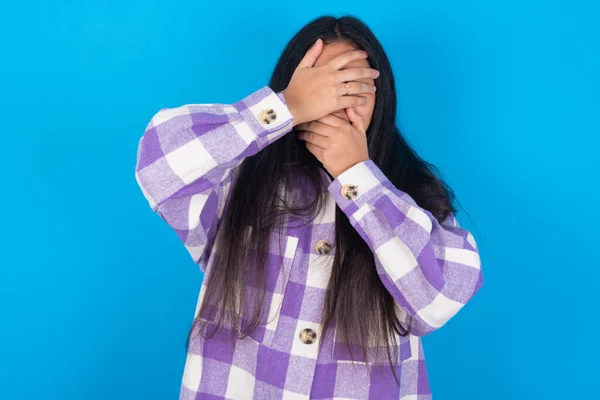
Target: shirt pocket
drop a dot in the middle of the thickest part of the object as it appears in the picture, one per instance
(407, 349)
(282, 253)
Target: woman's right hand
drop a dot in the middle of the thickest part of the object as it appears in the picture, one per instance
(314, 92)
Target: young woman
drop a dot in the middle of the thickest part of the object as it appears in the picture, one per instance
(329, 246)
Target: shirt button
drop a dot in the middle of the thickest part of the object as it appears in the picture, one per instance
(349, 191)
(267, 116)
(323, 247)
(308, 336)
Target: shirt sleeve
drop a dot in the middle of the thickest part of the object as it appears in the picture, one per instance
(430, 270)
(188, 156)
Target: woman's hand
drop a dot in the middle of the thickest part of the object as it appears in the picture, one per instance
(336, 143)
(314, 92)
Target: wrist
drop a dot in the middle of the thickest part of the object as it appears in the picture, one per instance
(291, 107)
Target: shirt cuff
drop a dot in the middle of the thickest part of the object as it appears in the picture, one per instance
(266, 115)
(357, 185)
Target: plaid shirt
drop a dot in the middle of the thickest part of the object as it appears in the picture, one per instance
(186, 164)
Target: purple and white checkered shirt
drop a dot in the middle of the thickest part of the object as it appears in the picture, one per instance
(186, 164)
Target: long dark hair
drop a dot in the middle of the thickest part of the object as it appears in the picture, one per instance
(362, 308)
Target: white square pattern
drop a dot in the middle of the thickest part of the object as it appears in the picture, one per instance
(361, 176)
(191, 161)
(244, 131)
(462, 256)
(276, 303)
(397, 258)
(287, 395)
(319, 270)
(192, 372)
(290, 248)
(361, 212)
(169, 113)
(197, 203)
(300, 348)
(240, 385)
(440, 310)
(195, 251)
(414, 347)
(417, 215)
(471, 240)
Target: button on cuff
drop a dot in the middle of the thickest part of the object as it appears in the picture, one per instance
(267, 116)
(349, 191)
(358, 184)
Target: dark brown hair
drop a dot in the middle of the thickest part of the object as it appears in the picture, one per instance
(362, 308)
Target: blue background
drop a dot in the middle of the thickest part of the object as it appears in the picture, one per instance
(97, 292)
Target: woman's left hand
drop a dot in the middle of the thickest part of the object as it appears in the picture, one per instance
(337, 143)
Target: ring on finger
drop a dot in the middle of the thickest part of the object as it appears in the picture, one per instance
(347, 86)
